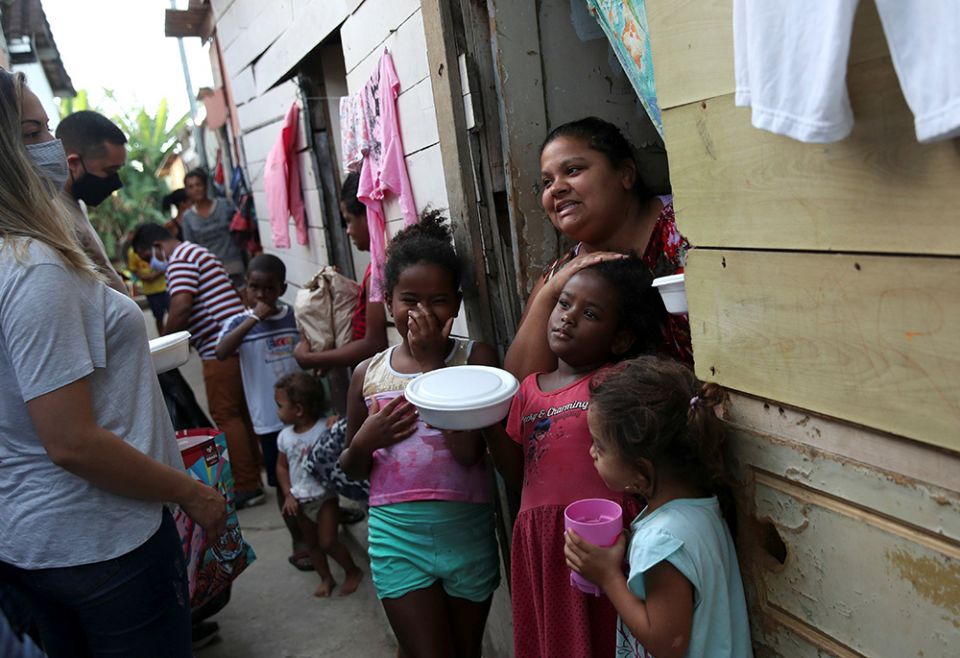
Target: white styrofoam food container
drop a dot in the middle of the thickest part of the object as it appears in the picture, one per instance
(673, 293)
(462, 397)
(171, 351)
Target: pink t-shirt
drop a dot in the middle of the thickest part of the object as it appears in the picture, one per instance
(552, 430)
(420, 467)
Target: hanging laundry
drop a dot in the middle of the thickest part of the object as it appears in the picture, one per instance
(370, 131)
(355, 130)
(625, 25)
(791, 64)
(281, 182)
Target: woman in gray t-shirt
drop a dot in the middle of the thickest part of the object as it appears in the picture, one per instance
(87, 447)
(207, 223)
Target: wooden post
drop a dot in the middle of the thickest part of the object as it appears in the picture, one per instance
(455, 149)
(515, 41)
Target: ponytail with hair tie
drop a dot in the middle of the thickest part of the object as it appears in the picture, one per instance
(655, 409)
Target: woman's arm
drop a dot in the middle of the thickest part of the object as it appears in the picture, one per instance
(662, 623)
(373, 341)
(73, 440)
(529, 352)
(468, 448)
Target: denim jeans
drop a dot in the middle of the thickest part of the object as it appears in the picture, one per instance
(134, 605)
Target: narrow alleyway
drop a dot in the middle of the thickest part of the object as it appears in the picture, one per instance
(272, 611)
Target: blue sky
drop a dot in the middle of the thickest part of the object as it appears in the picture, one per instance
(119, 44)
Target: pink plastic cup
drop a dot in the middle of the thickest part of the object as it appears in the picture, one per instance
(597, 520)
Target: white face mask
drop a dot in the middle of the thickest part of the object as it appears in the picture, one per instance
(51, 161)
(156, 264)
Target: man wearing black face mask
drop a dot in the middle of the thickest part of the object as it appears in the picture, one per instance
(95, 150)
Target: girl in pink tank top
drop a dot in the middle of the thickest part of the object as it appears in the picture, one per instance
(432, 543)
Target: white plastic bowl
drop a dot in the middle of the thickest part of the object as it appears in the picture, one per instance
(673, 293)
(462, 397)
(171, 351)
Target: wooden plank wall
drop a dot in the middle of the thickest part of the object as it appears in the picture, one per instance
(876, 192)
(827, 278)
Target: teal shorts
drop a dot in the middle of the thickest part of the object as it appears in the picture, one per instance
(413, 545)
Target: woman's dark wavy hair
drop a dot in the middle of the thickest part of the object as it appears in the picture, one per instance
(641, 309)
(348, 194)
(606, 138)
(654, 408)
(428, 241)
(304, 389)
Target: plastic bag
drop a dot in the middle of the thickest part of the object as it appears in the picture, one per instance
(210, 569)
(324, 309)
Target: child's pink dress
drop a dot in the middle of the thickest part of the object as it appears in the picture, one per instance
(550, 617)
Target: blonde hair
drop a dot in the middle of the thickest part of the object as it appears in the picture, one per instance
(28, 209)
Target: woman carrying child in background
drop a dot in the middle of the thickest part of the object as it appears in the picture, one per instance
(605, 312)
(433, 550)
(300, 404)
(656, 436)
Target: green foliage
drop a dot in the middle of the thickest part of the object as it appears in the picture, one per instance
(149, 141)
(79, 102)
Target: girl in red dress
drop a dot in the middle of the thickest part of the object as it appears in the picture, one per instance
(605, 312)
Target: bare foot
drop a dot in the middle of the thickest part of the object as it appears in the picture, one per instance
(325, 587)
(351, 582)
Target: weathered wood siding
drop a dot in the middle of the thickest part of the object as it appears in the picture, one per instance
(826, 278)
(264, 43)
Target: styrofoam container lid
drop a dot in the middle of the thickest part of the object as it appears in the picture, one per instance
(461, 388)
(165, 342)
(667, 280)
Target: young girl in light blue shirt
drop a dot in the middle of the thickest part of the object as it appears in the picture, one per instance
(656, 435)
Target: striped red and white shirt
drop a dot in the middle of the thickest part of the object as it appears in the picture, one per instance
(195, 270)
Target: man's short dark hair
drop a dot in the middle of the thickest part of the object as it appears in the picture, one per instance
(269, 264)
(87, 133)
(148, 234)
(198, 172)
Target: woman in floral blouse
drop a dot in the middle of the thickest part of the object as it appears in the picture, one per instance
(593, 194)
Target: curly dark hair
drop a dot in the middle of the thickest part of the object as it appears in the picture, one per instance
(641, 309)
(428, 241)
(306, 390)
(654, 408)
